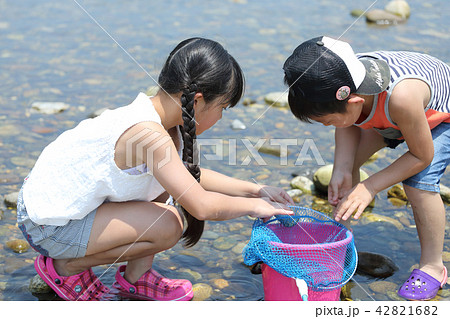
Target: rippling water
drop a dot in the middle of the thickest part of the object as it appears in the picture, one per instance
(96, 54)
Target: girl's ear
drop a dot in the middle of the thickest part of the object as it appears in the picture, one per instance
(198, 97)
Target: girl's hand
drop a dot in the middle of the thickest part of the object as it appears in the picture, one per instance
(355, 201)
(275, 194)
(339, 185)
(265, 208)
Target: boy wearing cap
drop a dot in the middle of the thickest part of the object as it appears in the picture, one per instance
(374, 100)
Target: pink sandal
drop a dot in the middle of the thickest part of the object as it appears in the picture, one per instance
(83, 286)
(153, 286)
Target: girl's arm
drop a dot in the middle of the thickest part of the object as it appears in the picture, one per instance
(158, 151)
(406, 107)
(216, 182)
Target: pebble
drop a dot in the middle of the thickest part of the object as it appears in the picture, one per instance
(399, 7)
(322, 177)
(304, 184)
(18, 245)
(38, 286)
(50, 107)
(379, 16)
(397, 191)
(383, 286)
(238, 125)
(202, 291)
(11, 199)
(372, 218)
(224, 243)
(219, 283)
(277, 99)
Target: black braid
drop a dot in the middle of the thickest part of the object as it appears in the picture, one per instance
(190, 157)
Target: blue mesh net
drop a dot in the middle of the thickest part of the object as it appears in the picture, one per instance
(307, 245)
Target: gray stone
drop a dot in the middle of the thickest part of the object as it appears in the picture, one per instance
(322, 177)
(38, 286)
(303, 183)
(11, 199)
(399, 7)
(238, 125)
(382, 17)
(277, 99)
(49, 107)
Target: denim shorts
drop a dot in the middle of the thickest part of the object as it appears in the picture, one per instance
(58, 242)
(429, 178)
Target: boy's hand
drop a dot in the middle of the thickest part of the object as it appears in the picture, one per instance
(355, 201)
(339, 185)
(276, 194)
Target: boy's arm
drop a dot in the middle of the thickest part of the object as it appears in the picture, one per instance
(346, 141)
(406, 107)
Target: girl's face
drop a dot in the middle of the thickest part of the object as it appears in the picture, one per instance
(206, 115)
(346, 119)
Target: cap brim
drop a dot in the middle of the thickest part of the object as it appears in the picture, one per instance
(377, 79)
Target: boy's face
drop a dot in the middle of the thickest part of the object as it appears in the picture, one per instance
(346, 119)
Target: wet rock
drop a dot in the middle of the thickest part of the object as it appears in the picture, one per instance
(303, 183)
(194, 274)
(446, 256)
(201, 291)
(445, 193)
(346, 290)
(374, 218)
(238, 248)
(383, 286)
(322, 177)
(397, 191)
(38, 286)
(356, 13)
(18, 245)
(11, 199)
(295, 194)
(224, 243)
(50, 107)
(397, 202)
(382, 17)
(256, 268)
(219, 283)
(98, 112)
(238, 125)
(248, 101)
(256, 106)
(375, 265)
(273, 150)
(277, 99)
(399, 7)
(393, 295)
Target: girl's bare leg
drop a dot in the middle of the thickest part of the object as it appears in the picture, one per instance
(129, 231)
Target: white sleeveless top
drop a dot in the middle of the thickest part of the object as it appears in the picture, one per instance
(76, 173)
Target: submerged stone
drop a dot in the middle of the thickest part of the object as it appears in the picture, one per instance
(18, 245)
(375, 265)
(322, 177)
(277, 99)
(38, 286)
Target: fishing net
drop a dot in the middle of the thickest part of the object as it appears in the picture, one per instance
(307, 245)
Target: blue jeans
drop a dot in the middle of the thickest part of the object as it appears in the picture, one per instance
(429, 178)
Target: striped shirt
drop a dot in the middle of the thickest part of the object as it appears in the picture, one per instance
(410, 65)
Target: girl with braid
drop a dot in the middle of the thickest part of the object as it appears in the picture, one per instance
(102, 192)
